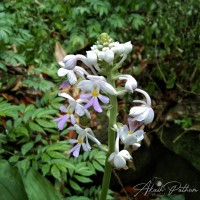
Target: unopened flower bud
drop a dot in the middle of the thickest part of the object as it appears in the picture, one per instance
(92, 57)
(70, 61)
(128, 47)
(109, 56)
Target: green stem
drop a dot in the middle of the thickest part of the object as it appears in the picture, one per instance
(111, 140)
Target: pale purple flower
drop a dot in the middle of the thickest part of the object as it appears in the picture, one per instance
(63, 119)
(73, 107)
(76, 149)
(93, 87)
(83, 134)
(143, 113)
(64, 84)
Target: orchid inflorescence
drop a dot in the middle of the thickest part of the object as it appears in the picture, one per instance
(97, 86)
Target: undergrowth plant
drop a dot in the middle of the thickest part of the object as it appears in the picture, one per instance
(98, 90)
(32, 149)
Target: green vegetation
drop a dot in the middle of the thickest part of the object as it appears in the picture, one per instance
(165, 35)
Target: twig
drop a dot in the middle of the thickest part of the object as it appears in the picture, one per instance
(118, 179)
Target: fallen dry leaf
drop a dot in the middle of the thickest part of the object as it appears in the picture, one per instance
(60, 53)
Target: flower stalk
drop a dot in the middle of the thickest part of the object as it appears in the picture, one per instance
(111, 140)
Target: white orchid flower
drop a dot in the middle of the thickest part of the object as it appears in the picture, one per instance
(118, 158)
(143, 113)
(92, 59)
(131, 83)
(71, 74)
(70, 62)
(129, 135)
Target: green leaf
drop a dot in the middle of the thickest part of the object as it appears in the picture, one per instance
(55, 154)
(45, 123)
(82, 179)
(38, 138)
(74, 185)
(45, 157)
(64, 163)
(21, 131)
(85, 171)
(24, 165)
(97, 166)
(27, 147)
(14, 158)
(61, 167)
(45, 169)
(38, 187)
(58, 146)
(56, 172)
(35, 127)
(11, 185)
(46, 113)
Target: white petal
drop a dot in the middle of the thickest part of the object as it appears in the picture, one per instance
(106, 87)
(120, 48)
(135, 146)
(94, 139)
(62, 72)
(119, 162)
(85, 60)
(139, 135)
(149, 117)
(87, 113)
(148, 99)
(72, 141)
(109, 56)
(96, 78)
(125, 154)
(92, 57)
(85, 147)
(131, 84)
(130, 139)
(80, 70)
(70, 61)
(128, 47)
(71, 77)
(137, 110)
(123, 132)
(101, 55)
(111, 157)
(86, 85)
(79, 110)
(68, 57)
(62, 64)
(65, 95)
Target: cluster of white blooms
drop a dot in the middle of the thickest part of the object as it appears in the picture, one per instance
(106, 50)
(96, 91)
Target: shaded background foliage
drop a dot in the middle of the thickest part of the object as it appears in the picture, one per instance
(165, 61)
